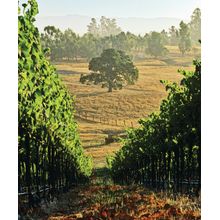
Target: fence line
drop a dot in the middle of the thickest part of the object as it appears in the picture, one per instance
(83, 114)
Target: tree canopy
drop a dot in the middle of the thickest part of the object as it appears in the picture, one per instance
(167, 146)
(156, 45)
(173, 35)
(47, 130)
(195, 26)
(105, 34)
(184, 38)
(113, 69)
(106, 27)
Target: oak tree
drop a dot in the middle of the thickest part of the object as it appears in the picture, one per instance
(113, 69)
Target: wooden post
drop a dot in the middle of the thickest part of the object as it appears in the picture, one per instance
(37, 169)
(28, 169)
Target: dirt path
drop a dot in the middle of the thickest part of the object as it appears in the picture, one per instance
(114, 202)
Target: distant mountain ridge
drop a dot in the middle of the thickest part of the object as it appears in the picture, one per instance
(78, 23)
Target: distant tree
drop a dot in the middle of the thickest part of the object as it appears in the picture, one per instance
(120, 42)
(195, 26)
(51, 31)
(93, 28)
(164, 36)
(62, 44)
(53, 38)
(132, 40)
(113, 69)
(184, 38)
(88, 46)
(140, 43)
(108, 27)
(105, 43)
(173, 36)
(155, 45)
(145, 38)
(71, 44)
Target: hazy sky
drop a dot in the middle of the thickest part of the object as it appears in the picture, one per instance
(119, 8)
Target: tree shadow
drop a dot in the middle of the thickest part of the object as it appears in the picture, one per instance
(91, 94)
(94, 145)
(150, 64)
(69, 72)
(146, 91)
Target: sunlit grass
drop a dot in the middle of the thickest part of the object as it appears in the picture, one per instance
(122, 108)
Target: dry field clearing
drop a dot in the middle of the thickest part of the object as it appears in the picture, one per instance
(100, 113)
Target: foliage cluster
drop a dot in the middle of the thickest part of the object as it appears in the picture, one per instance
(156, 45)
(106, 27)
(69, 45)
(165, 151)
(112, 69)
(50, 152)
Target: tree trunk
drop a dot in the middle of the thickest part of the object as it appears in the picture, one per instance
(189, 166)
(169, 169)
(109, 87)
(177, 172)
(164, 170)
(19, 173)
(52, 169)
(182, 166)
(44, 169)
(49, 166)
(37, 168)
(28, 167)
(199, 162)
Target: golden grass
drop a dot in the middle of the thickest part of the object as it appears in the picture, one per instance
(126, 105)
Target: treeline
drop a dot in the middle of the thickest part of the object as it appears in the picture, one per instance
(165, 151)
(50, 155)
(69, 45)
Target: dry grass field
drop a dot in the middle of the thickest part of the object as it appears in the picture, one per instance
(100, 113)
